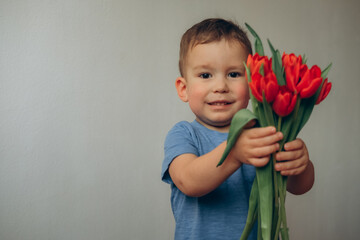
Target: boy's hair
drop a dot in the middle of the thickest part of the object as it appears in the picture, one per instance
(211, 30)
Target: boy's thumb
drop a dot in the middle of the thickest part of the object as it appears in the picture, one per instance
(250, 124)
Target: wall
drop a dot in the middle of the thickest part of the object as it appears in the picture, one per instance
(87, 96)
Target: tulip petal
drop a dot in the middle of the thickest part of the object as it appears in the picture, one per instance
(325, 89)
(284, 102)
(292, 66)
(311, 89)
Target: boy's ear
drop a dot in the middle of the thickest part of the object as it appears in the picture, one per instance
(180, 84)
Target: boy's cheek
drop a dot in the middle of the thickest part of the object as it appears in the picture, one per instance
(243, 94)
(242, 88)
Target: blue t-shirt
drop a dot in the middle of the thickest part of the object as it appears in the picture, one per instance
(222, 213)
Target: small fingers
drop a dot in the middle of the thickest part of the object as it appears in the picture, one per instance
(294, 145)
(259, 162)
(263, 137)
(292, 172)
(283, 166)
(289, 155)
(261, 132)
(265, 150)
(268, 140)
(294, 167)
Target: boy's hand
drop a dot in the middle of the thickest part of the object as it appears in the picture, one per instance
(294, 160)
(255, 145)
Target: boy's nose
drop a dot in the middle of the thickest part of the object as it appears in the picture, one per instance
(221, 85)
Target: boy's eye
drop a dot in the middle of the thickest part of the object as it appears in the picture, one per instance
(234, 74)
(205, 75)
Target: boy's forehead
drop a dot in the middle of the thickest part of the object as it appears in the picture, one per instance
(193, 57)
(205, 55)
(194, 49)
(231, 43)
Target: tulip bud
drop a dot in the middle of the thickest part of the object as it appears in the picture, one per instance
(285, 102)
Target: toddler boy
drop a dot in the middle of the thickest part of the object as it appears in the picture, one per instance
(210, 202)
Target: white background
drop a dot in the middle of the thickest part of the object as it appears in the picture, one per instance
(87, 96)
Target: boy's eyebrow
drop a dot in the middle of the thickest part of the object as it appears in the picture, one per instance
(241, 67)
(202, 66)
(208, 67)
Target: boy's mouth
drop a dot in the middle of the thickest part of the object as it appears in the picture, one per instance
(219, 103)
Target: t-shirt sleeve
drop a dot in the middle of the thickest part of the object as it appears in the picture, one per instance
(179, 140)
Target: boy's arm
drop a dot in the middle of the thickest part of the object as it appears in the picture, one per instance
(196, 176)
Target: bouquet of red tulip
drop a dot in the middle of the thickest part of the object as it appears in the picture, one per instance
(283, 92)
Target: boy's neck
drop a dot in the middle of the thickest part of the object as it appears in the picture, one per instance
(223, 129)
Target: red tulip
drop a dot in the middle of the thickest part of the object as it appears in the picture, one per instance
(292, 66)
(267, 84)
(285, 102)
(262, 82)
(254, 63)
(310, 81)
(303, 69)
(326, 87)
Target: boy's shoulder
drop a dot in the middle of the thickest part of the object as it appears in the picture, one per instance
(195, 134)
(186, 126)
(183, 124)
(182, 128)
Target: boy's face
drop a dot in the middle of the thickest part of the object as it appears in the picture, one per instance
(214, 82)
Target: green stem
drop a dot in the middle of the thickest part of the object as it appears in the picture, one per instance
(276, 196)
(283, 183)
(284, 229)
(295, 121)
(281, 205)
(265, 181)
(279, 123)
(277, 188)
(290, 136)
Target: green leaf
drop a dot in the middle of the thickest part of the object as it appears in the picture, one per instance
(305, 110)
(280, 208)
(240, 119)
(259, 47)
(268, 112)
(248, 73)
(264, 176)
(258, 44)
(261, 115)
(259, 236)
(304, 59)
(307, 106)
(279, 58)
(252, 212)
(286, 127)
(277, 65)
(297, 118)
(303, 114)
(261, 70)
(325, 72)
(284, 233)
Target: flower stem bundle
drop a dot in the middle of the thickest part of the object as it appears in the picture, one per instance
(283, 92)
